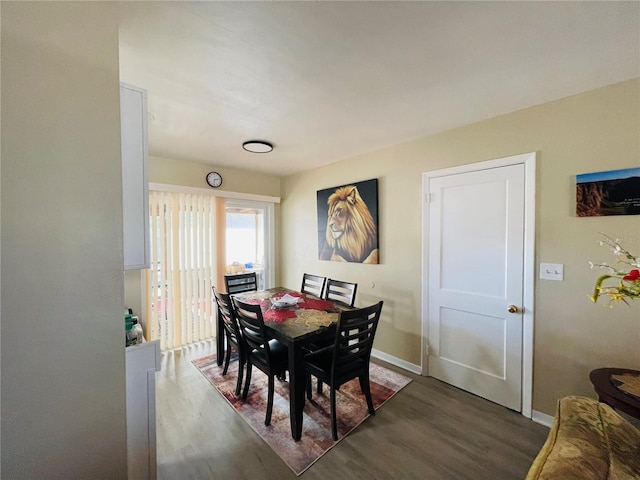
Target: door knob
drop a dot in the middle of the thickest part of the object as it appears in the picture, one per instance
(513, 309)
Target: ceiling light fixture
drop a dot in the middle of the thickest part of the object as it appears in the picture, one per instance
(257, 146)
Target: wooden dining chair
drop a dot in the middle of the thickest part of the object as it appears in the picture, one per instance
(313, 284)
(348, 358)
(269, 355)
(231, 332)
(341, 292)
(241, 282)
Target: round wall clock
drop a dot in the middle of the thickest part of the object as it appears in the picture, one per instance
(214, 179)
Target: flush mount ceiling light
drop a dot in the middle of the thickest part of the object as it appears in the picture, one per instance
(257, 146)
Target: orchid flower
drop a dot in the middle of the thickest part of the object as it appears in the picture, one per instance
(627, 286)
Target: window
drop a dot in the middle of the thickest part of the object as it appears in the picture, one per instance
(248, 239)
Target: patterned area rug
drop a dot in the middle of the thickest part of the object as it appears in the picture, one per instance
(316, 431)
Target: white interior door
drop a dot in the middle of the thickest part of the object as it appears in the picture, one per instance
(475, 265)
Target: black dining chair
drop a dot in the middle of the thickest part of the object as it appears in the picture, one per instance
(269, 355)
(241, 282)
(231, 332)
(341, 292)
(348, 358)
(313, 284)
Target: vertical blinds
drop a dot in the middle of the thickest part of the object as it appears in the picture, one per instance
(180, 306)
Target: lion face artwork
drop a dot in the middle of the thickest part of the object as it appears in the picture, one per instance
(351, 233)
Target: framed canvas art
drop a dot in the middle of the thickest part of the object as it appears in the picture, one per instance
(613, 192)
(348, 223)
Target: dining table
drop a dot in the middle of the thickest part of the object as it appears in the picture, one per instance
(296, 325)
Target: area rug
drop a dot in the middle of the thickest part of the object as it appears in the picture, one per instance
(316, 431)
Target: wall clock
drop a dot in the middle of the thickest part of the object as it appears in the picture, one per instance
(214, 179)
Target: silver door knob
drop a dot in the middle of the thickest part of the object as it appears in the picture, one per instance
(513, 309)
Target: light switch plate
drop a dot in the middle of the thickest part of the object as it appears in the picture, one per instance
(552, 271)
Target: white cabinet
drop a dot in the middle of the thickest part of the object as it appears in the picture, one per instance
(135, 177)
(143, 361)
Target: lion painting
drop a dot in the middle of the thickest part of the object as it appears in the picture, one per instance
(351, 234)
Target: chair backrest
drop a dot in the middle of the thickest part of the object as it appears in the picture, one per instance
(252, 329)
(343, 292)
(227, 313)
(355, 333)
(313, 284)
(241, 282)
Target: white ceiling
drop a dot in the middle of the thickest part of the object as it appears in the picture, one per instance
(325, 80)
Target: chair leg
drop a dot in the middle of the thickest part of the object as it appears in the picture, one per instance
(334, 420)
(366, 389)
(247, 382)
(267, 420)
(319, 388)
(240, 375)
(227, 358)
(308, 385)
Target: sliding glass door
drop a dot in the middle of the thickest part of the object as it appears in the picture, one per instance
(249, 239)
(197, 239)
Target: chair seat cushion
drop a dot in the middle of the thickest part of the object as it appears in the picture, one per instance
(279, 356)
(318, 363)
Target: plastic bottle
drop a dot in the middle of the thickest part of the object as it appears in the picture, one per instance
(131, 335)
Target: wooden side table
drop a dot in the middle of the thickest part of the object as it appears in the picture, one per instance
(609, 392)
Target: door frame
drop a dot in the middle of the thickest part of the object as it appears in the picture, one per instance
(529, 162)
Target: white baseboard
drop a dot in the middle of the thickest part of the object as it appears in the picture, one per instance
(398, 362)
(542, 418)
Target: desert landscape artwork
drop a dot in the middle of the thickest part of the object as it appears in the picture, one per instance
(348, 223)
(614, 192)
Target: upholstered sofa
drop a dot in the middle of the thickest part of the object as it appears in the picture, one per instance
(588, 440)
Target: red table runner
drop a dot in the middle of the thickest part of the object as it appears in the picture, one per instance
(278, 315)
(313, 304)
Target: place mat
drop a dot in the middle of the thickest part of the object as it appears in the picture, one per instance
(291, 294)
(257, 301)
(628, 383)
(264, 300)
(315, 317)
(259, 295)
(300, 315)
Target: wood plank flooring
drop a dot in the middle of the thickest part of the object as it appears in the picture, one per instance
(429, 430)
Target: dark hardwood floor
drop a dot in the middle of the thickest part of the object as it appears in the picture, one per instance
(429, 430)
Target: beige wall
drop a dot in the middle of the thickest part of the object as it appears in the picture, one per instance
(590, 132)
(63, 359)
(192, 174)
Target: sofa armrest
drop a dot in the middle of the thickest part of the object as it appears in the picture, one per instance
(588, 440)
